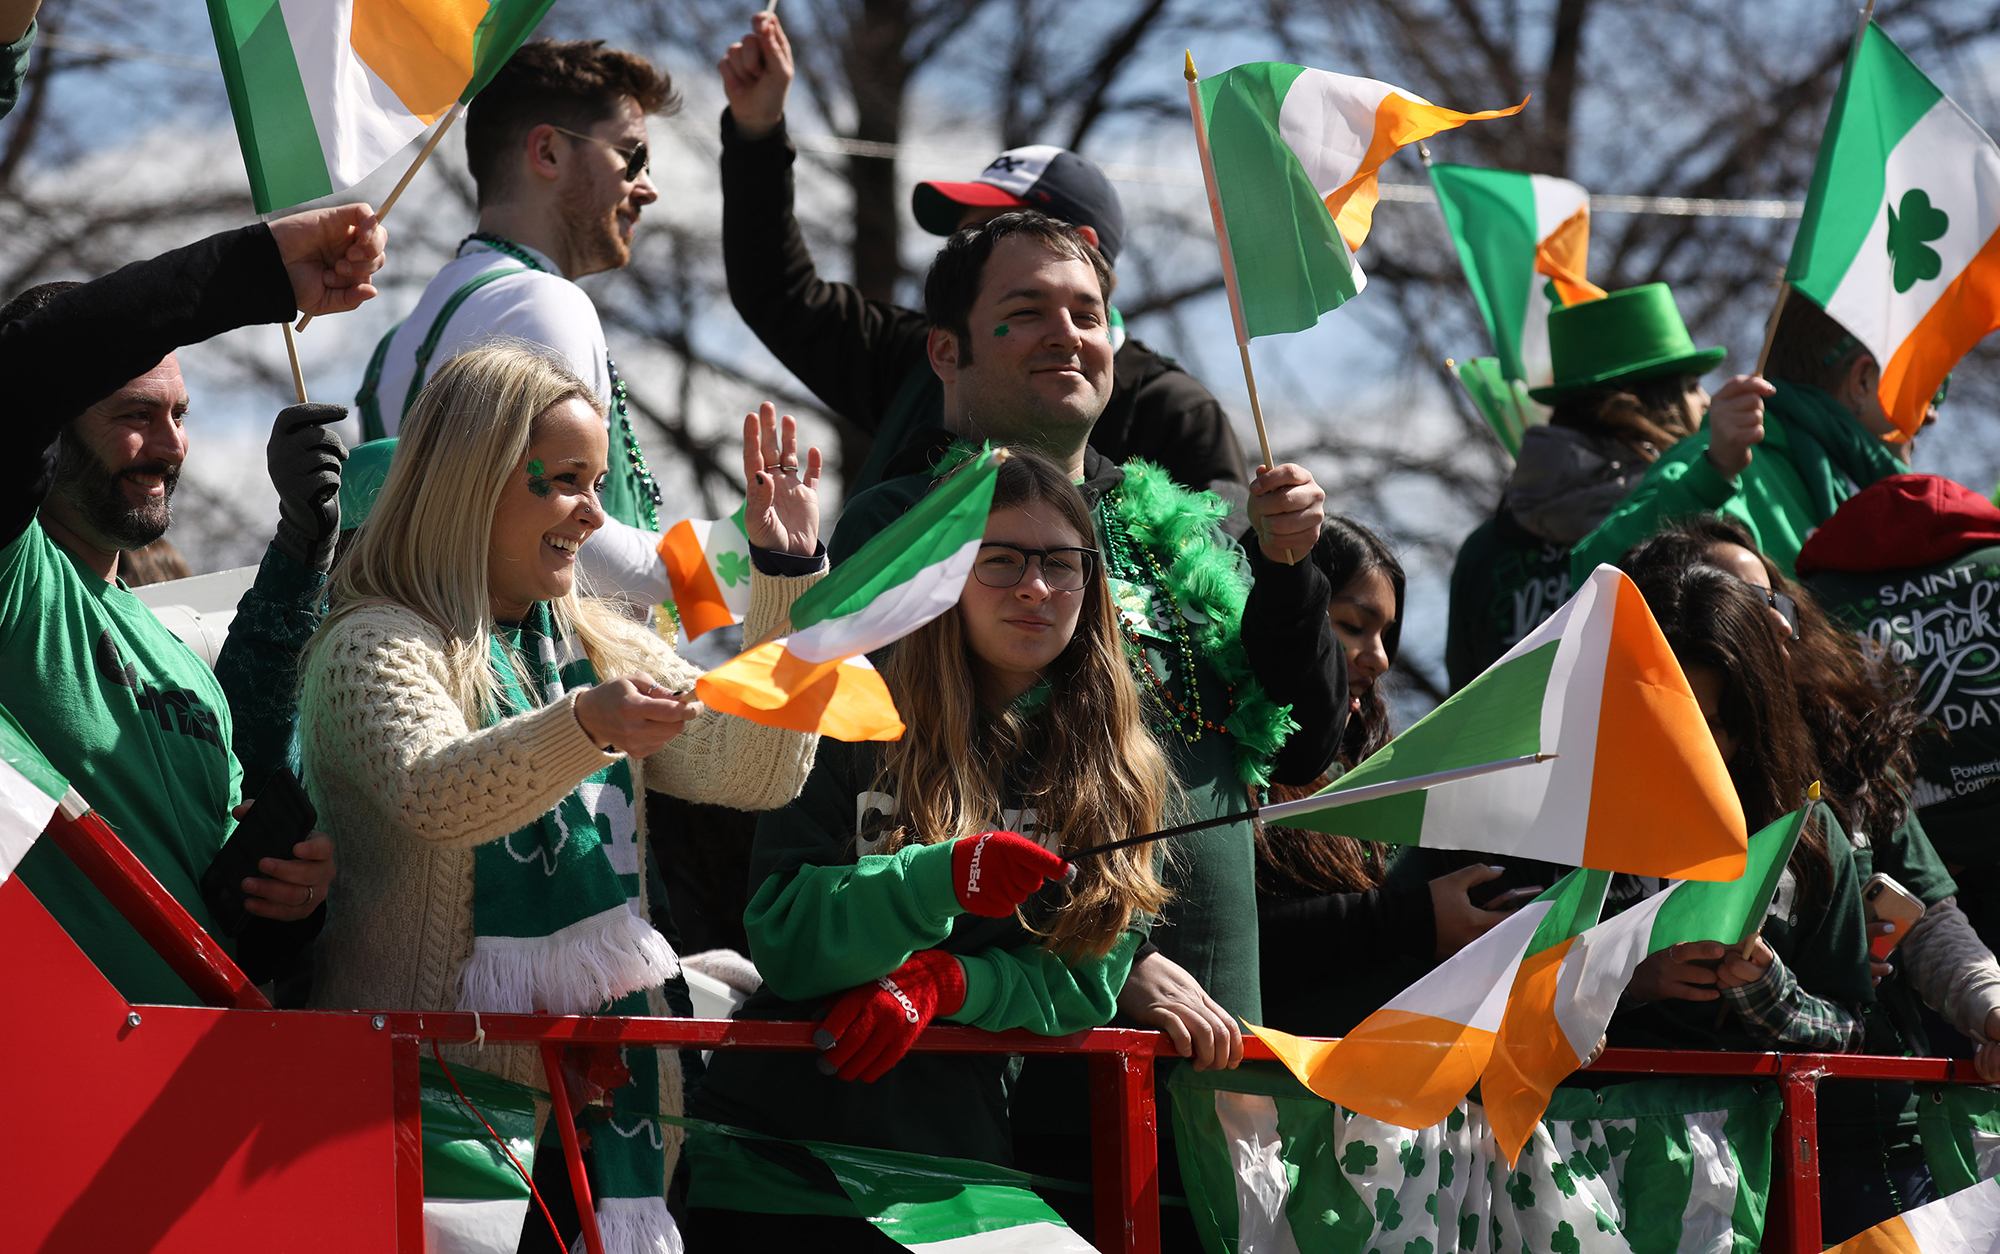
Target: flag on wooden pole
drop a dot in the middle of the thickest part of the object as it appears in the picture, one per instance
(325, 91)
(1900, 242)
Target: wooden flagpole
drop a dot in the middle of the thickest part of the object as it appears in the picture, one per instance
(1228, 268)
(430, 146)
(292, 351)
(1784, 284)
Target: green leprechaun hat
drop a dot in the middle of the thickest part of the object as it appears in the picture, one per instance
(1626, 337)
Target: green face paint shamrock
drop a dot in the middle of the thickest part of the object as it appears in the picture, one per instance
(1388, 1211)
(1909, 232)
(1000, 330)
(536, 483)
(1358, 1157)
(732, 568)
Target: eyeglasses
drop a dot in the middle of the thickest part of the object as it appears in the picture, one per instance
(1787, 608)
(637, 160)
(1066, 569)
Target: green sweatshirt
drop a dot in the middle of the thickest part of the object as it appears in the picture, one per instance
(1814, 456)
(828, 915)
(1503, 585)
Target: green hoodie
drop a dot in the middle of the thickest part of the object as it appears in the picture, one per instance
(1814, 456)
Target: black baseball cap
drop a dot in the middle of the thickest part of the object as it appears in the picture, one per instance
(1042, 177)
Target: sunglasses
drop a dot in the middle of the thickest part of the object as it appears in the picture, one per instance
(637, 160)
(1787, 608)
(1063, 570)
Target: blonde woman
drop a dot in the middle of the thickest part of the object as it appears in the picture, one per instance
(479, 738)
(882, 900)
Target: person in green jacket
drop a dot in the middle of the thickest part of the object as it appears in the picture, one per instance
(883, 901)
(1779, 455)
(1628, 388)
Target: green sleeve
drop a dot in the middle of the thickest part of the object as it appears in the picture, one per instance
(821, 920)
(1681, 483)
(14, 69)
(1830, 958)
(1029, 987)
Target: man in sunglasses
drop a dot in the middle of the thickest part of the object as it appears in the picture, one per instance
(557, 147)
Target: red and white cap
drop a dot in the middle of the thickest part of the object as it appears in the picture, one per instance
(1042, 177)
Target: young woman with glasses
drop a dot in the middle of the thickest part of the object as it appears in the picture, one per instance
(884, 898)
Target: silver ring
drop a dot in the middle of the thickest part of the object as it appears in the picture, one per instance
(309, 896)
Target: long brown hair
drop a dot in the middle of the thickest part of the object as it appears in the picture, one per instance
(1092, 771)
(1650, 416)
(1862, 715)
(1293, 862)
(1711, 618)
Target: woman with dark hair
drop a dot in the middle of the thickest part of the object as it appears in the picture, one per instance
(1863, 718)
(1324, 892)
(1806, 979)
(883, 899)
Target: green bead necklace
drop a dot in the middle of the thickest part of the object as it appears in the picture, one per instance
(1120, 551)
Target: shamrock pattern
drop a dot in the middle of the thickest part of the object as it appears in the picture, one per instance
(732, 568)
(1910, 233)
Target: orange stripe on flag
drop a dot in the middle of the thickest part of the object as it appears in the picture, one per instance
(849, 703)
(421, 49)
(1963, 316)
(1661, 801)
(697, 598)
(1530, 1056)
(1398, 1066)
(1398, 121)
(1565, 257)
(1891, 1236)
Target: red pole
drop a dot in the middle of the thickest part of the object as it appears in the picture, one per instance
(586, 1208)
(1798, 1153)
(407, 1084)
(1125, 1152)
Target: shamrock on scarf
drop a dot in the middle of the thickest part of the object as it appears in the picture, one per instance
(1357, 1158)
(1617, 1140)
(1444, 1168)
(1563, 1178)
(732, 568)
(1605, 1223)
(1421, 1245)
(1455, 1120)
(1522, 1190)
(1411, 1155)
(1468, 1230)
(1908, 232)
(1388, 1211)
(1563, 1240)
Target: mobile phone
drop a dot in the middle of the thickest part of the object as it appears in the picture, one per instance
(1883, 900)
(280, 819)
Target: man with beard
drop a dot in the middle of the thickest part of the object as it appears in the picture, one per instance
(114, 700)
(556, 143)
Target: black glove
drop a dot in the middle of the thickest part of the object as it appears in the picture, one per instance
(304, 457)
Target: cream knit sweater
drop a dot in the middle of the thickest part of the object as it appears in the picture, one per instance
(408, 788)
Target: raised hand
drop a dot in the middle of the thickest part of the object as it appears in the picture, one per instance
(330, 254)
(1286, 508)
(304, 456)
(1735, 423)
(783, 513)
(757, 75)
(994, 872)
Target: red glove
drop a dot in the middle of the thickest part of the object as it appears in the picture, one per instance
(874, 1025)
(994, 872)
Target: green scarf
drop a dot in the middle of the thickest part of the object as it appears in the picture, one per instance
(1830, 449)
(558, 927)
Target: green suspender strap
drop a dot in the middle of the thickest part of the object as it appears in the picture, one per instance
(367, 400)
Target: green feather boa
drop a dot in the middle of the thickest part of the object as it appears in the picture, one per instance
(1181, 528)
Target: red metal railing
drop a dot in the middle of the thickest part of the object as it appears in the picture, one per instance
(1124, 1122)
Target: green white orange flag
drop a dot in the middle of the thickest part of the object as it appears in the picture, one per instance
(816, 679)
(1524, 240)
(1900, 242)
(1636, 783)
(1564, 993)
(30, 790)
(325, 91)
(708, 564)
(1502, 401)
(1290, 157)
(1413, 1061)
(1968, 1220)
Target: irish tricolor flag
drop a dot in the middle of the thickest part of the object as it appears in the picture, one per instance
(1290, 158)
(1636, 784)
(1898, 240)
(30, 790)
(1413, 1061)
(708, 564)
(324, 91)
(1564, 993)
(816, 679)
(1968, 1220)
(1523, 238)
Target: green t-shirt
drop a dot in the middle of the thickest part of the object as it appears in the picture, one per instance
(140, 728)
(1939, 621)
